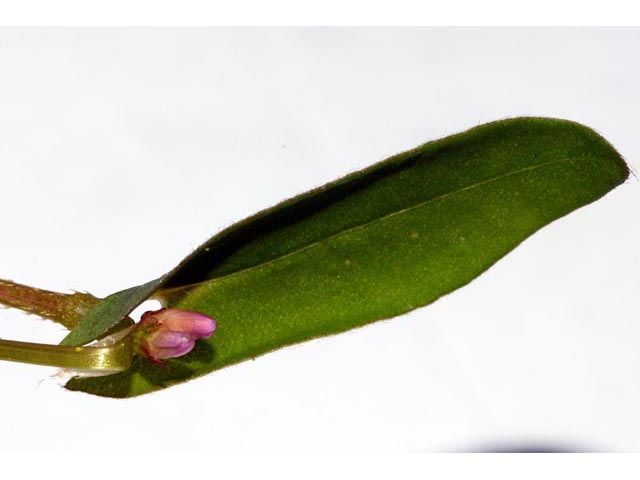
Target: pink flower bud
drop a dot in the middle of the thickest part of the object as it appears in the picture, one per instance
(171, 332)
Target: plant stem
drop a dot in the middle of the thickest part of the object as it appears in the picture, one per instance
(66, 309)
(98, 359)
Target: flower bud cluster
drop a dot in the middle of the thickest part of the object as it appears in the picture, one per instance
(171, 332)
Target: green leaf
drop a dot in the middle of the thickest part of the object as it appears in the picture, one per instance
(375, 244)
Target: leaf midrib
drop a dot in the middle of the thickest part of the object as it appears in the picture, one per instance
(316, 243)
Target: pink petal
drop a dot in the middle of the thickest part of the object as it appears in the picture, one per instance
(166, 344)
(169, 339)
(194, 324)
(177, 351)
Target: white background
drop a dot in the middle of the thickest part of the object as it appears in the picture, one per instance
(122, 150)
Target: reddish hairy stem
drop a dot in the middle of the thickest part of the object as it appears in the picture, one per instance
(66, 309)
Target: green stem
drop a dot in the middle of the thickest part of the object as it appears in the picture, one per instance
(96, 359)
